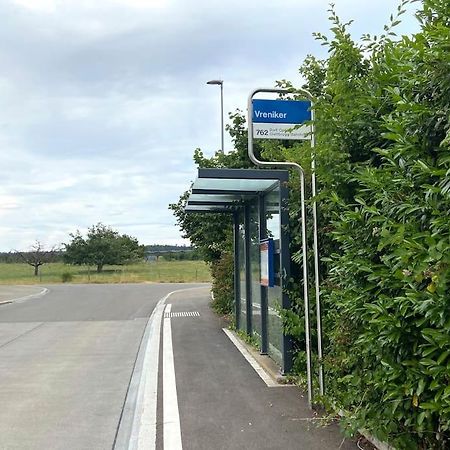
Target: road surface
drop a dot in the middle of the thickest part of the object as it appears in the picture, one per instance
(131, 367)
(66, 360)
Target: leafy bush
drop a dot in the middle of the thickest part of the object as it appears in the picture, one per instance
(222, 287)
(66, 277)
(383, 134)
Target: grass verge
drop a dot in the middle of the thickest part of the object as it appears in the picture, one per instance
(156, 272)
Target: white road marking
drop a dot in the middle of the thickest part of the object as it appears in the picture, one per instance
(172, 429)
(252, 361)
(143, 429)
(143, 434)
(27, 297)
(182, 314)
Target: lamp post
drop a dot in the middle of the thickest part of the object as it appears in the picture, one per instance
(220, 83)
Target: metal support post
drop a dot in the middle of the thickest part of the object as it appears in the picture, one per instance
(248, 271)
(237, 287)
(264, 289)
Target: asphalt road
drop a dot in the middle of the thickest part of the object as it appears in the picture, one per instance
(129, 367)
(66, 360)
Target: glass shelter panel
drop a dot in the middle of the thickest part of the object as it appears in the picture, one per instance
(274, 324)
(255, 268)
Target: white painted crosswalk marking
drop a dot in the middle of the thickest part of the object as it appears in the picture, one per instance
(181, 314)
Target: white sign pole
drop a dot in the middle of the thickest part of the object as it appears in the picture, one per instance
(303, 222)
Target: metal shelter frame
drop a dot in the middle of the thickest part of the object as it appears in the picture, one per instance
(236, 191)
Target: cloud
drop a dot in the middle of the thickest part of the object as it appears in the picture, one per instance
(104, 102)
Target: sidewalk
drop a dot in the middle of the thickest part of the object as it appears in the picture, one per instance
(223, 403)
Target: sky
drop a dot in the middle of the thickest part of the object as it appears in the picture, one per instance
(102, 103)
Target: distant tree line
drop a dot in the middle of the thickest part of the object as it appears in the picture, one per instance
(172, 252)
(101, 246)
(14, 257)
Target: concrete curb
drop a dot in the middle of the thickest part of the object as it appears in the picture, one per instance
(26, 297)
(264, 366)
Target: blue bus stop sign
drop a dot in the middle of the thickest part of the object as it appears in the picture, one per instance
(281, 119)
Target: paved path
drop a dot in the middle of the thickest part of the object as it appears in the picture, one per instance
(223, 403)
(128, 367)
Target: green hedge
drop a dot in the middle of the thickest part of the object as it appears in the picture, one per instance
(383, 157)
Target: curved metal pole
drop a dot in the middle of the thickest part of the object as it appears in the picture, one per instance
(221, 119)
(303, 219)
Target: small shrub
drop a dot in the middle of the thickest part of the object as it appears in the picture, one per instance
(66, 277)
(222, 285)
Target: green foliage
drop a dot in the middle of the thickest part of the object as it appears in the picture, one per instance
(66, 277)
(222, 286)
(102, 246)
(382, 120)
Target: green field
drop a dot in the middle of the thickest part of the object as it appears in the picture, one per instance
(155, 272)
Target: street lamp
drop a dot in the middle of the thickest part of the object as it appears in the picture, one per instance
(220, 83)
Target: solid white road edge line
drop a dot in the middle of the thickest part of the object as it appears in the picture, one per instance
(172, 428)
(251, 360)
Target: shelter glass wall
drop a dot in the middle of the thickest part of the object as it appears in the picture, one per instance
(274, 324)
(253, 197)
(255, 268)
(242, 271)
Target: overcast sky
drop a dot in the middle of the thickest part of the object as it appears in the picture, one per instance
(103, 102)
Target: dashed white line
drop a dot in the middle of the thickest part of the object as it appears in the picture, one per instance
(182, 314)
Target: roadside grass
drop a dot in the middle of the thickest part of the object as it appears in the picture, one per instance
(155, 272)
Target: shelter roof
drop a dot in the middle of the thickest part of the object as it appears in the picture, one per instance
(225, 190)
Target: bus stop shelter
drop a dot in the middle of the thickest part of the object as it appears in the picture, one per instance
(258, 202)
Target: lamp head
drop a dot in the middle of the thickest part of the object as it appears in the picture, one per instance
(219, 82)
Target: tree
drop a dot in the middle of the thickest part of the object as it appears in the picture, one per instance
(211, 234)
(37, 256)
(103, 245)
